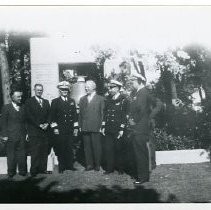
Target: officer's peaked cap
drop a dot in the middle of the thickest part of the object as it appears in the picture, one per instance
(64, 85)
(138, 76)
(115, 83)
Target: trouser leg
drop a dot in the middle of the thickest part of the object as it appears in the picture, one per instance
(88, 150)
(130, 157)
(119, 155)
(11, 161)
(152, 151)
(97, 148)
(141, 156)
(68, 152)
(109, 152)
(43, 155)
(35, 157)
(21, 158)
(60, 152)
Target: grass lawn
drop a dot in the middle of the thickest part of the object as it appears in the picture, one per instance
(169, 183)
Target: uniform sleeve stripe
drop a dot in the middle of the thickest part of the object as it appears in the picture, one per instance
(122, 125)
(75, 124)
(53, 125)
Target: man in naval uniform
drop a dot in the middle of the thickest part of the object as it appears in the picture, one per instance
(64, 122)
(141, 118)
(113, 126)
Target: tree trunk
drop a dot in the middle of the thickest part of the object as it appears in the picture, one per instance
(4, 67)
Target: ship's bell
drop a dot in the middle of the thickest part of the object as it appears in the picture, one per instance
(78, 89)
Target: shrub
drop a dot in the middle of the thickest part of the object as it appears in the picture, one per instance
(166, 141)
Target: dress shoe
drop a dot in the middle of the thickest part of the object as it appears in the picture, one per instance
(89, 168)
(120, 172)
(46, 172)
(73, 169)
(141, 181)
(22, 174)
(33, 175)
(69, 169)
(107, 172)
(10, 177)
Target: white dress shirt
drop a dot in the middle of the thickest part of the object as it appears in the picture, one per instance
(116, 96)
(17, 108)
(39, 100)
(90, 97)
(64, 98)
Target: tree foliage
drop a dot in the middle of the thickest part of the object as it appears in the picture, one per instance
(182, 72)
(18, 55)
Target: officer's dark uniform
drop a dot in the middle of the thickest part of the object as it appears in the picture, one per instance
(114, 121)
(141, 114)
(63, 118)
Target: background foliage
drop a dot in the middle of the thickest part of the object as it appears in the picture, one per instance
(183, 70)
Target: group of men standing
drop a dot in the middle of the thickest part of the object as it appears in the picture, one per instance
(114, 117)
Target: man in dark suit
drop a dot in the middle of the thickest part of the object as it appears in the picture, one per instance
(90, 121)
(113, 126)
(37, 115)
(140, 120)
(64, 122)
(14, 133)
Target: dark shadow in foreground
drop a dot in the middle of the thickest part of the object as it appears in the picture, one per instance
(29, 191)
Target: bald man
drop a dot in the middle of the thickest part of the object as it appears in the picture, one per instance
(90, 121)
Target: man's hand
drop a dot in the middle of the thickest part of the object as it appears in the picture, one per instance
(131, 122)
(27, 137)
(41, 126)
(56, 131)
(102, 130)
(177, 102)
(152, 123)
(120, 134)
(44, 126)
(5, 138)
(75, 132)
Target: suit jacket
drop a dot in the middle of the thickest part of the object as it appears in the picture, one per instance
(143, 108)
(13, 123)
(64, 115)
(36, 115)
(91, 113)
